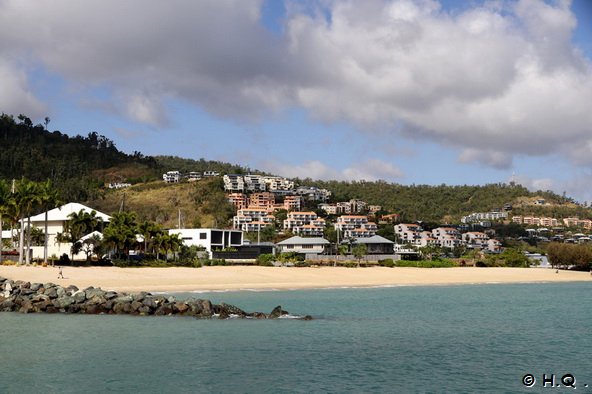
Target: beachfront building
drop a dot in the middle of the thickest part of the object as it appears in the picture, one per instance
(209, 238)
(304, 223)
(355, 226)
(374, 244)
(56, 224)
(302, 245)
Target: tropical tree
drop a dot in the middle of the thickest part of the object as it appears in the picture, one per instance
(49, 198)
(121, 232)
(26, 197)
(359, 251)
(5, 197)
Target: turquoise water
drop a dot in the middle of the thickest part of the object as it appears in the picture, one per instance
(388, 340)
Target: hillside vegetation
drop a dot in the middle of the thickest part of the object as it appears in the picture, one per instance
(80, 167)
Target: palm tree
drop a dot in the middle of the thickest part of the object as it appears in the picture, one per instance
(80, 224)
(4, 205)
(49, 199)
(26, 197)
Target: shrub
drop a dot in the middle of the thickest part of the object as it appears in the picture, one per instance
(265, 259)
(386, 263)
(426, 263)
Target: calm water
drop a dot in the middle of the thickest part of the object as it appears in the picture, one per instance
(405, 339)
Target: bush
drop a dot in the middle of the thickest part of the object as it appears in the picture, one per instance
(265, 260)
(301, 264)
(386, 263)
(426, 263)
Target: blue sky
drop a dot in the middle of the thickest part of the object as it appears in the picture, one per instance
(423, 92)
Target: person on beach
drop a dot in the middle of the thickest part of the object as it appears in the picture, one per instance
(60, 273)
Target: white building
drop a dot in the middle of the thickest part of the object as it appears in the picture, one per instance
(355, 226)
(278, 183)
(171, 177)
(304, 223)
(303, 245)
(209, 238)
(56, 223)
(233, 183)
(252, 219)
(254, 183)
(313, 193)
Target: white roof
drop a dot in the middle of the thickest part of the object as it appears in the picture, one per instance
(88, 236)
(296, 240)
(375, 239)
(62, 213)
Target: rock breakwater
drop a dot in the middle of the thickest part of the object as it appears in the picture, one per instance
(27, 297)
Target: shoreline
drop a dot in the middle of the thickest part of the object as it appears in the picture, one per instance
(256, 278)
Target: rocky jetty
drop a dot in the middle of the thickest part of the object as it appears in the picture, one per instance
(26, 297)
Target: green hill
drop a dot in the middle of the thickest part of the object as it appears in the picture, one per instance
(80, 167)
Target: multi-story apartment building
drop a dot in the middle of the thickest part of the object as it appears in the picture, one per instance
(234, 183)
(304, 223)
(262, 200)
(447, 237)
(356, 226)
(193, 176)
(292, 203)
(254, 183)
(252, 219)
(479, 216)
(409, 233)
(475, 239)
(313, 193)
(278, 183)
(238, 200)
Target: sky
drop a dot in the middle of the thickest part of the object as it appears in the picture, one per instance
(406, 91)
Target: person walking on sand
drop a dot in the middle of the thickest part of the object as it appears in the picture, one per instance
(60, 273)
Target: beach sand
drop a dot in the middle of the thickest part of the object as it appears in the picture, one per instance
(259, 278)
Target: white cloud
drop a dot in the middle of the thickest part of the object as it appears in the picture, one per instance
(493, 159)
(16, 96)
(370, 170)
(496, 80)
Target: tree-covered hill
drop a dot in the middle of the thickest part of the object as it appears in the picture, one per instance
(445, 203)
(30, 151)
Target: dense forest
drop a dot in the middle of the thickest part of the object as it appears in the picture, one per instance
(30, 151)
(444, 203)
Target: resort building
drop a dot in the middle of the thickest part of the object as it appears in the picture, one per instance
(277, 183)
(56, 223)
(252, 219)
(312, 193)
(292, 203)
(233, 183)
(304, 245)
(481, 216)
(210, 173)
(304, 223)
(238, 200)
(409, 233)
(447, 237)
(475, 239)
(193, 176)
(254, 183)
(262, 200)
(355, 226)
(209, 238)
(374, 244)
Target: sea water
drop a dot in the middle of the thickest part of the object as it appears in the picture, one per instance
(471, 338)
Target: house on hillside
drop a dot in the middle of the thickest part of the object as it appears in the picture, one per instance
(56, 223)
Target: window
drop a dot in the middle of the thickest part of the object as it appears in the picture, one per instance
(307, 246)
(203, 235)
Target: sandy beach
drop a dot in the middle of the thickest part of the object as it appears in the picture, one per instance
(259, 278)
